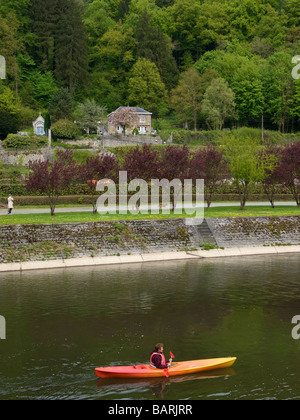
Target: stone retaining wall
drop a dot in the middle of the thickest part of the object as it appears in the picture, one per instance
(23, 158)
(111, 141)
(107, 238)
(50, 241)
(255, 231)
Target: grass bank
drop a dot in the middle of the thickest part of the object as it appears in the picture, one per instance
(83, 216)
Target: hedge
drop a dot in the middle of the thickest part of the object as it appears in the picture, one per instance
(65, 129)
(19, 142)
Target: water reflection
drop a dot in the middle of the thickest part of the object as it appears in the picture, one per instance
(157, 386)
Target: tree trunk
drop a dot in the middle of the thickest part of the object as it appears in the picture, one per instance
(243, 202)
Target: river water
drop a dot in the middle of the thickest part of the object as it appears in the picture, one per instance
(61, 324)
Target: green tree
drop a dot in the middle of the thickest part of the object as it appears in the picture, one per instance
(272, 27)
(44, 14)
(61, 105)
(214, 26)
(8, 100)
(242, 155)
(11, 45)
(145, 87)
(186, 97)
(70, 45)
(153, 45)
(97, 20)
(89, 114)
(185, 16)
(248, 88)
(114, 53)
(279, 89)
(44, 86)
(244, 16)
(292, 9)
(218, 104)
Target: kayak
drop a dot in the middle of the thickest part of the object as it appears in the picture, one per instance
(178, 368)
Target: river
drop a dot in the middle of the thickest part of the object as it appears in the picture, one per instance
(61, 324)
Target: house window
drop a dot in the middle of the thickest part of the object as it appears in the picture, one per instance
(142, 118)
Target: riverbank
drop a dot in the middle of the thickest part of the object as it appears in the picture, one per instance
(150, 257)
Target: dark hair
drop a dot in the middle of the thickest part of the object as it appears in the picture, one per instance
(158, 346)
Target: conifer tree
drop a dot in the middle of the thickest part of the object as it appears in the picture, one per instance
(44, 15)
(70, 45)
(156, 47)
(61, 41)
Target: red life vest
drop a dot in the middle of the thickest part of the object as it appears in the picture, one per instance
(163, 360)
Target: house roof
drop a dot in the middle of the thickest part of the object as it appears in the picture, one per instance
(137, 109)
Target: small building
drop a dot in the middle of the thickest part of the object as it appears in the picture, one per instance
(141, 121)
(39, 126)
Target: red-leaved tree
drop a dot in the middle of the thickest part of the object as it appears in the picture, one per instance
(141, 162)
(174, 164)
(52, 178)
(209, 164)
(95, 169)
(290, 169)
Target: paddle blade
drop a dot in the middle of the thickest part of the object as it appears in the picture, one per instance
(172, 355)
(166, 372)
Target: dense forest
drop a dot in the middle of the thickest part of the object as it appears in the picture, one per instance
(202, 64)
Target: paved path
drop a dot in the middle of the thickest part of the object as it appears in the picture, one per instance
(89, 209)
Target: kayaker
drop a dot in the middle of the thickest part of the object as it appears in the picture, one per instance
(157, 358)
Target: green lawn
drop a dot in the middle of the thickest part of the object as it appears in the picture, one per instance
(79, 216)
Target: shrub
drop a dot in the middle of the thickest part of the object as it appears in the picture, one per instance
(18, 142)
(65, 129)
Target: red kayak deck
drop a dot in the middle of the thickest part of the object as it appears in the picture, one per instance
(179, 368)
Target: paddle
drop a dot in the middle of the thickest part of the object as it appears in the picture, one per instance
(166, 370)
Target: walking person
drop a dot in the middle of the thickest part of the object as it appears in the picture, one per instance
(10, 203)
